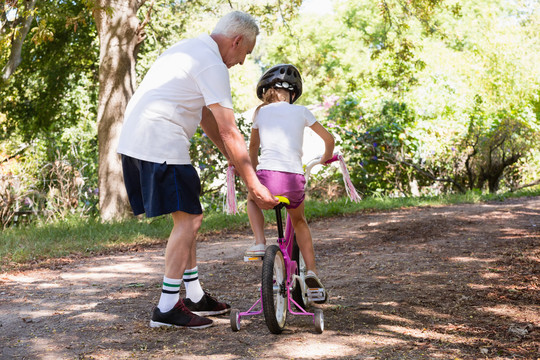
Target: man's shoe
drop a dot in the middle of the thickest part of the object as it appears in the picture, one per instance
(179, 316)
(207, 306)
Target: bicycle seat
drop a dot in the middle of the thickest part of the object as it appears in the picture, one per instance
(282, 202)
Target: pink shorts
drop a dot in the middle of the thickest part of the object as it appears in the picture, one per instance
(285, 184)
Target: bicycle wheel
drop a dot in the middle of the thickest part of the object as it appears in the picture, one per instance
(274, 292)
(235, 319)
(318, 321)
(298, 295)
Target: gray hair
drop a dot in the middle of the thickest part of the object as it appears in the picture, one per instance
(237, 23)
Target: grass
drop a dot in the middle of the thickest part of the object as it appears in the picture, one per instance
(87, 237)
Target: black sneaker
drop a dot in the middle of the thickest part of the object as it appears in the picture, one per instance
(179, 316)
(207, 306)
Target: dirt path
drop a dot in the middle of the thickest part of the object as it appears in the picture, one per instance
(452, 282)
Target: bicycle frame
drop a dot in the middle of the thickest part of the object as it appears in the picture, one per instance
(285, 241)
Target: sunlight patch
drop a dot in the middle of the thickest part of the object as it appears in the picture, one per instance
(96, 316)
(471, 259)
(392, 318)
(315, 349)
(530, 313)
(424, 334)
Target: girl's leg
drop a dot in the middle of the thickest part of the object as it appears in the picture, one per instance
(256, 220)
(303, 236)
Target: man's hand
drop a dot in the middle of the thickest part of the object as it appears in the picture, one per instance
(263, 198)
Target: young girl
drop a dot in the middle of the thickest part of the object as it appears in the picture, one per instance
(278, 130)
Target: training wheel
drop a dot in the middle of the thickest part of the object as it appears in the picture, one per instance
(318, 320)
(235, 319)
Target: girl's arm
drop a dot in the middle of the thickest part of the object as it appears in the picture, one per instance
(254, 144)
(328, 141)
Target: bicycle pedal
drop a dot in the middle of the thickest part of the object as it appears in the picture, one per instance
(252, 258)
(316, 294)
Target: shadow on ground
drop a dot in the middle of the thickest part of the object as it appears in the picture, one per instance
(419, 283)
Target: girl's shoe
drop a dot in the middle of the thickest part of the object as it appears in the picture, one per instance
(256, 250)
(315, 288)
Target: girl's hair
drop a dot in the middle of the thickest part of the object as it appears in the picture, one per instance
(271, 96)
(237, 23)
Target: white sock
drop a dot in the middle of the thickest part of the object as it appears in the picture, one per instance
(170, 294)
(194, 291)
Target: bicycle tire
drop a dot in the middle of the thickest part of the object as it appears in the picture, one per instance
(298, 296)
(273, 288)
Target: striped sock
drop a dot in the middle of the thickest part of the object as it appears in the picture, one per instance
(170, 294)
(194, 291)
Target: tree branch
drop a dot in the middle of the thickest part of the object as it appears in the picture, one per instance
(17, 43)
(141, 34)
(536, 182)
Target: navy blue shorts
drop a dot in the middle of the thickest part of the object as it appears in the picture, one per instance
(158, 189)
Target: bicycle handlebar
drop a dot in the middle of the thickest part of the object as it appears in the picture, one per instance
(317, 161)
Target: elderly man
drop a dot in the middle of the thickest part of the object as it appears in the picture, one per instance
(188, 85)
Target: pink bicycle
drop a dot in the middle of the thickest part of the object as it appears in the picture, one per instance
(283, 275)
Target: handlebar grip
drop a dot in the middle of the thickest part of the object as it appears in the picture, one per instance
(334, 158)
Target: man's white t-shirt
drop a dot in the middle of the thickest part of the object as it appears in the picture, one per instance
(166, 109)
(281, 131)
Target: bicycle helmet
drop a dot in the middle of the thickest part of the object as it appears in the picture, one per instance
(284, 76)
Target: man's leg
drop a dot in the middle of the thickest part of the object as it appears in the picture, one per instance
(178, 253)
(181, 243)
(194, 291)
(177, 257)
(197, 300)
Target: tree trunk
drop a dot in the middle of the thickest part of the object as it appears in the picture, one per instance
(118, 36)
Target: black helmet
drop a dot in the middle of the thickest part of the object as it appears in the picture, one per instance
(284, 76)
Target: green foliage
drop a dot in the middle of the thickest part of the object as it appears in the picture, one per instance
(51, 178)
(57, 76)
(399, 82)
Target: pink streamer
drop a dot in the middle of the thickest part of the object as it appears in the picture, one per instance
(231, 206)
(351, 191)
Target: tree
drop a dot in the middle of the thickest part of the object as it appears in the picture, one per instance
(120, 33)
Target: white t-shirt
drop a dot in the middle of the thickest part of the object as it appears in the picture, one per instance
(166, 109)
(281, 131)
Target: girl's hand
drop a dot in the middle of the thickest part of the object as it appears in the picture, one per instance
(325, 158)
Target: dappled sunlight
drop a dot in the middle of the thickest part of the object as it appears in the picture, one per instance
(326, 347)
(468, 259)
(491, 275)
(96, 316)
(531, 314)
(389, 317)
(81, 307)
(110, 271)
(424, 334)
(43, 346)
(431, 313)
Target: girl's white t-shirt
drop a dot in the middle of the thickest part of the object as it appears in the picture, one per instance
(166, 109)
(281, 131)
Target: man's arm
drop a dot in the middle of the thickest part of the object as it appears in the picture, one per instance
(235, 146)
(210, 128)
